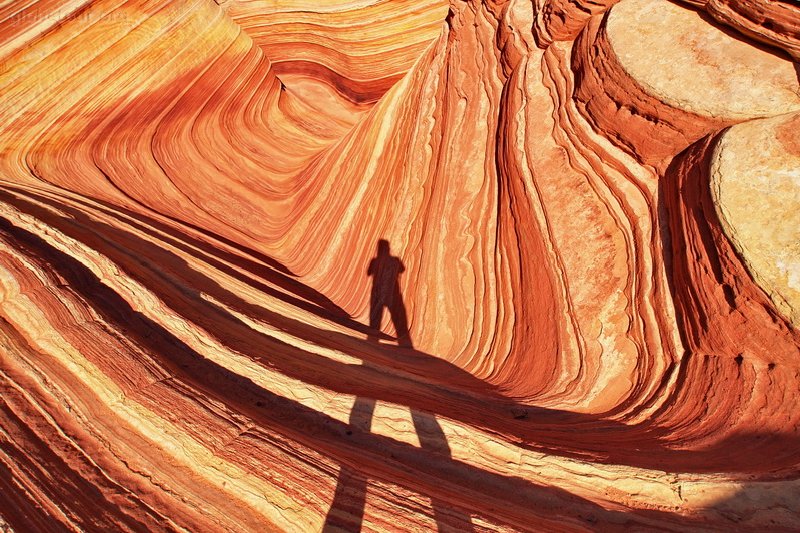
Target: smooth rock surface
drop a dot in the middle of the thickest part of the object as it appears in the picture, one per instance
(694, 66)
(755, 182)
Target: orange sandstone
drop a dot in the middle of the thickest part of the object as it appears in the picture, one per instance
(588, 210)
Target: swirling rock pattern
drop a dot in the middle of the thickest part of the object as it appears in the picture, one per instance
(491, 265)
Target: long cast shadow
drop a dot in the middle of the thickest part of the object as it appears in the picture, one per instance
(261, 266)
(307, 426)
(349, 499)
(511, 499)
(400, 376)
(347, 509)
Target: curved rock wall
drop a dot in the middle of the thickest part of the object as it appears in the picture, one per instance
(485, 266)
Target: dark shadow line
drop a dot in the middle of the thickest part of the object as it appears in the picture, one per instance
(450, 480)
(456, 397)
(346, 511)
(87, 506)
(312, 301)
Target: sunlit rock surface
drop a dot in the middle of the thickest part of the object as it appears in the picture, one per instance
(399, 265)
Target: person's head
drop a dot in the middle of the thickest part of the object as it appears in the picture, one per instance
(383, 247)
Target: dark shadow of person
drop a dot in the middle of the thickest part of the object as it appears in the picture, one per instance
(385, 271)
(432, 439)
(347, 509)
(346, 512)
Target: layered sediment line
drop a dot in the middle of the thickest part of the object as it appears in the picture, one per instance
(477, 266)
(775, 23)
(360, 49)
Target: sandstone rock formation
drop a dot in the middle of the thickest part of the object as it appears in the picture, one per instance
(588, 276)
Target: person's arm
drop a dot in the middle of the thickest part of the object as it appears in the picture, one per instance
(371, 268)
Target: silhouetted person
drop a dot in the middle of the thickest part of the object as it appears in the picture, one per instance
(346, 512)
(385, 270)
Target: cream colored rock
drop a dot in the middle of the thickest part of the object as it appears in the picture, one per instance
(755, 182)
(692, 65)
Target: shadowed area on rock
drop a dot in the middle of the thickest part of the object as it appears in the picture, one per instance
(386, 265)
(271, 410)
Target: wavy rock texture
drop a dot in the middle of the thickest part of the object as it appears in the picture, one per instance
(591, 208)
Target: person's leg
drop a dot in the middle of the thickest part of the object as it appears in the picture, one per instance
(375, 317)
(400, 320)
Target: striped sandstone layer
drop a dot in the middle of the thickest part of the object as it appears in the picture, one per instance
(590, 209)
